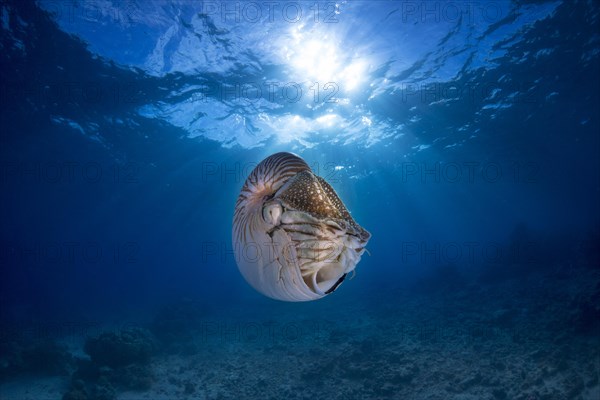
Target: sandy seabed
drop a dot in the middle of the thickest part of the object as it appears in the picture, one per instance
(526, 340)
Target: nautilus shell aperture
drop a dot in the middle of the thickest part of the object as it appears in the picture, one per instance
(293, 238)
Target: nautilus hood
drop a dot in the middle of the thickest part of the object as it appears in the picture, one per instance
(293, 238)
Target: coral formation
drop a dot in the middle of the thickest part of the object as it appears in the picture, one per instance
(118, 361)
(45, 357)
(120, 349)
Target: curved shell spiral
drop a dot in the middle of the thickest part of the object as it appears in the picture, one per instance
(293, 238)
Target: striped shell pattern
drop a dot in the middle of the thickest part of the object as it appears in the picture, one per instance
(293, 238)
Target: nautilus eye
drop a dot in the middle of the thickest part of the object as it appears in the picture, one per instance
(272, 213)
(293, 238)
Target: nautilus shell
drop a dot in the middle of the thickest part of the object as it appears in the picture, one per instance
(293, 238)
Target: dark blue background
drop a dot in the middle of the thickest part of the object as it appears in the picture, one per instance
(155, 203)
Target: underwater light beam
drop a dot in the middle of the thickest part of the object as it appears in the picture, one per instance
(319, 60)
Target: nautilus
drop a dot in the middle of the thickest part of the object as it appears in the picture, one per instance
(293, 238)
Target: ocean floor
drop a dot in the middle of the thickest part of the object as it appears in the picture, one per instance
(536, 337)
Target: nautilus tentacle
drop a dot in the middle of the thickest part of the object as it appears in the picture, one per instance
(293, 238)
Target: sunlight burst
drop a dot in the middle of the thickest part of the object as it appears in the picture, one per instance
(320, 59)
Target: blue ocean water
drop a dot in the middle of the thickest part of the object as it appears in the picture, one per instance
(464, 136)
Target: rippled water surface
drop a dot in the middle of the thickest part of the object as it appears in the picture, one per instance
(464, 136)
